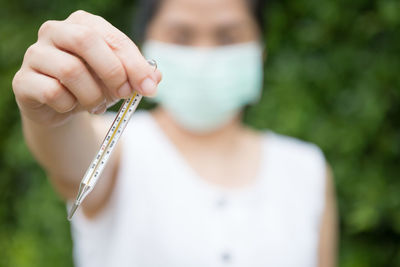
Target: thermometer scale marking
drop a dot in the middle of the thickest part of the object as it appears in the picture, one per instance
(111, 138)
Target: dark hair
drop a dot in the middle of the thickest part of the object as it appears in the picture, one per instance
(146, 10)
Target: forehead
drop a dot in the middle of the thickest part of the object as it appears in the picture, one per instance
(204, 12)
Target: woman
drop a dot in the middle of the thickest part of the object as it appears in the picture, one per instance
(189, 185)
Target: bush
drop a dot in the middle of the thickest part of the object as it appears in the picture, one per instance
(332, 78)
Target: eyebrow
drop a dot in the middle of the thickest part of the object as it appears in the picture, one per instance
(180, 26)
(230, 26)
(223, 27)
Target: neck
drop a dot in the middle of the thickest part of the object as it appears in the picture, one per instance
(223, 137)
(229, 157)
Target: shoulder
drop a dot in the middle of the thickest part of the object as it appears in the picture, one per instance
(296, 164)
(294, 151)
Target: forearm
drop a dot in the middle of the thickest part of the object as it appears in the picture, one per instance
(64, 151)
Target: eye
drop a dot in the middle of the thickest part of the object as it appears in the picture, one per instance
(182, 36)
(235, 32)
(227, 38)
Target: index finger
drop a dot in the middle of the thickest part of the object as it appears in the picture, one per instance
(141, 76)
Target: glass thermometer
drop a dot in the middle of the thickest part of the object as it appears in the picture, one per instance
(97, 165)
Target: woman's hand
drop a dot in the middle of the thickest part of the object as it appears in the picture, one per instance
(81, 63)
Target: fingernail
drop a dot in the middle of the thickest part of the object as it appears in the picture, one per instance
(100, 109)
(125, 90)
(148, 87)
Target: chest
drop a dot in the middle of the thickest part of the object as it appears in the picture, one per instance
(183, 221)
(235, 167)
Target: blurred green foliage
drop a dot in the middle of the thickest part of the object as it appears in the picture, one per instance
(332, 78)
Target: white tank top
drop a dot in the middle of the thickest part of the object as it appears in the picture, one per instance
(161, 214)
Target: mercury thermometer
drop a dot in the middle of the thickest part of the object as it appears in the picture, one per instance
(97, 165)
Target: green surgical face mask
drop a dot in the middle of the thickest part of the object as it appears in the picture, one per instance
(205, 88)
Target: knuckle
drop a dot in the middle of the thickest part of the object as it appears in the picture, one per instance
(46, 27)
(31, 51)
(115, 72)
(117, 40)
(71, 69)
(94, 100)
(91, 99)
(18, 85)
(17, 81)
(83, 17)
(52, 93)
(83, 37)
(67, 106)
(78, 15)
